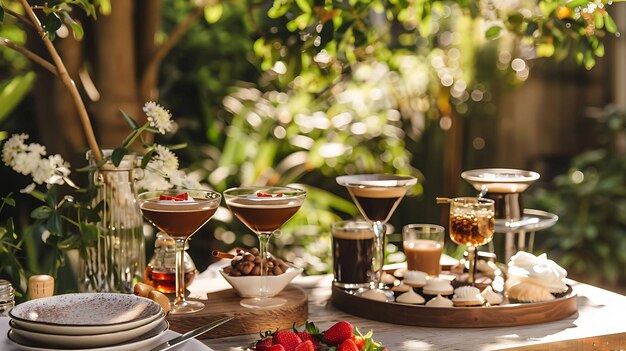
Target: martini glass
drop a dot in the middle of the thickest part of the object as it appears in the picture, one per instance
(263, 210)
(180, 213)
(377, 196)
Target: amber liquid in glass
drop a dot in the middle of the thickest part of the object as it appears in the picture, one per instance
(471, 230)
(165, 281)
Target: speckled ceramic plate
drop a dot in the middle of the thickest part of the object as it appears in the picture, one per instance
(85, 341)
(84, 314)
(151, 338)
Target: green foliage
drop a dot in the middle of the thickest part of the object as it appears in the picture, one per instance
(10, 244)
(13, 91)
(590, 200)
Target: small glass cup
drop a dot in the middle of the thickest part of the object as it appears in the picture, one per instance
(353, 254)
(472, 224)
(423, 245)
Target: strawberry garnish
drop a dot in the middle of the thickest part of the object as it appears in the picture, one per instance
(275, 348)
(179, 197)
(306, 346)
(288, 339)
(348, 345)
(261, 194)
(338, 333)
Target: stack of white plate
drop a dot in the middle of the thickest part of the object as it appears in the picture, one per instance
(93, 322)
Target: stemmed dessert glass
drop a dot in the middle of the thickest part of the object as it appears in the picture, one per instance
(377, 196)
(472, 223)
(180, 213)
(263, 210)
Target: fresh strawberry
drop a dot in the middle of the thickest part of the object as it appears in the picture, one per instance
(306, 346)
(339, 332)
(359, 341)
(275, 348)
(288, 339)
(261, 194)
(263, 344)
(179, 197)
(304, 336)
(347, 345)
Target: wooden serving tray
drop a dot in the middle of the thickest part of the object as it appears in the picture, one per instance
(455, 317)
(225, 303)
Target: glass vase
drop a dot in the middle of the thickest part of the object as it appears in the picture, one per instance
(114, 262)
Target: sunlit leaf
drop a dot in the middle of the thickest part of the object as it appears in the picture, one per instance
(213, 13)
(77, 28)
(576, 3)
(304, 5)
(493, 32)
(545, 50)
(609, 23)
(598, 19)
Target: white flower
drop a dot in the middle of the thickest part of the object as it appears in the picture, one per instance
(28, 189)
(152, 181)
(14, 145)
(51, 170)
(164, 161)
(29, 159)
(182, 180)
(159, 117)
(45, 236)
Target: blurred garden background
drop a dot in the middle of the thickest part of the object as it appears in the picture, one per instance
(301, 91)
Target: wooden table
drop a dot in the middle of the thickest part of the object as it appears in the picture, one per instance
(599, 325)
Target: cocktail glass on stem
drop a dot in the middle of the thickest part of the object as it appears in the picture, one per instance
(377, 196)
(180, 213)
(263, 210)
(472, 224)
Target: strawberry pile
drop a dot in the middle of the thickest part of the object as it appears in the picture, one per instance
(342, 336)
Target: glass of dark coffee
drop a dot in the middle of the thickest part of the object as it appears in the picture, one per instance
(353, 254)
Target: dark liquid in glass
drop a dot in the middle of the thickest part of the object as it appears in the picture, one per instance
(352, 259)
(377, 208)
(262, 219)
(178, 223)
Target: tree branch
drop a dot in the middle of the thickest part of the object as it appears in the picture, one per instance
(67, 81)
(149, 76)
(20, 17)
(31, 55)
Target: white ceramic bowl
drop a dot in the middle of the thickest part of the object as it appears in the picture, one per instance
(249, 286)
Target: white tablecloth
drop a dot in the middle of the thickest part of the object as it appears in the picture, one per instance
(191, 345)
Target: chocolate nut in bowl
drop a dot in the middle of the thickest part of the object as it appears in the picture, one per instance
(248, 286)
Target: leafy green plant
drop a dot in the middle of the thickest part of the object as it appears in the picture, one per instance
(590, 199)
(10, 244)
